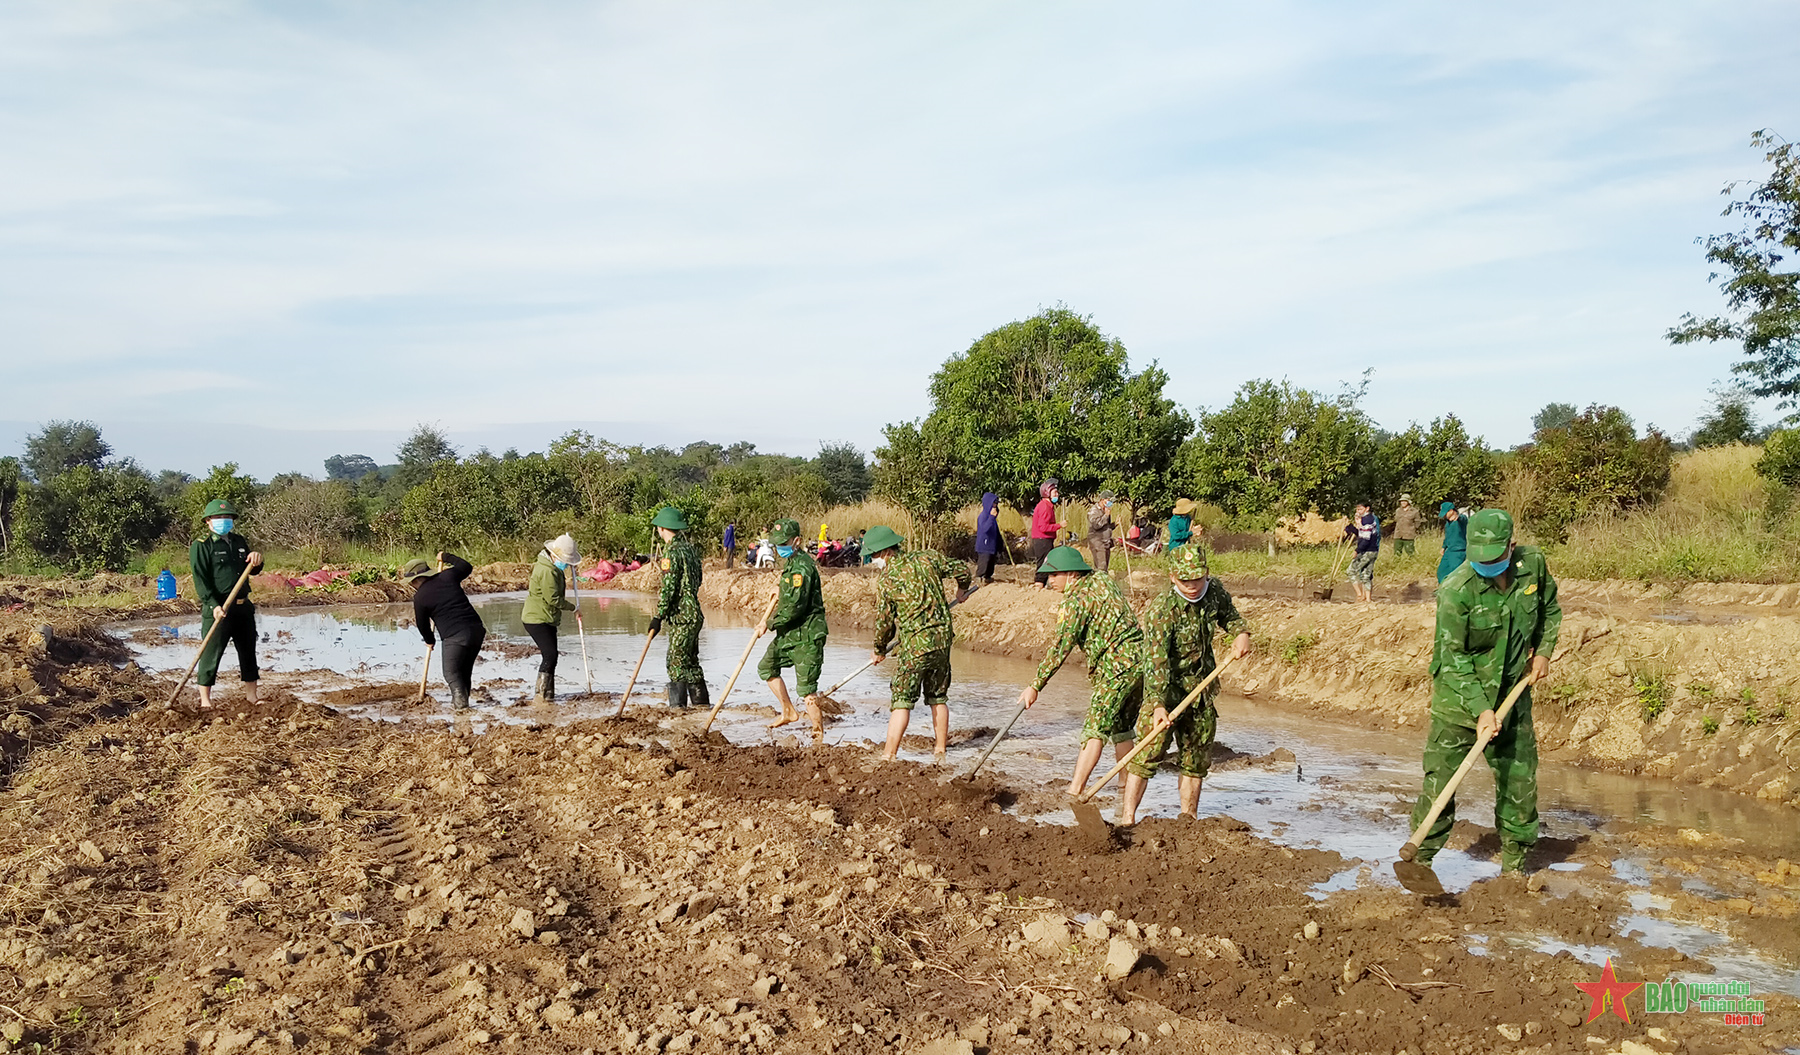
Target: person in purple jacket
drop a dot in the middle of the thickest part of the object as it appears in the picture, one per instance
(730, 544)
(987, 536)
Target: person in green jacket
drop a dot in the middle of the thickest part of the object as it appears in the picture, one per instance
(678, 605)
(800, 630)
(1497, 624)
(1095, 615)
(545, 604)
(912, 616)
(1456, 540)
(1181, 524)
(217, 560)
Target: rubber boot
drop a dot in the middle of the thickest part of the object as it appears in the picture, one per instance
(546, 688)
(678, 695)
(459, 699)
(698, 697)
(1512, 858)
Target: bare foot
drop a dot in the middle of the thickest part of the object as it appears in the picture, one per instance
(937, 757)
(787, 718)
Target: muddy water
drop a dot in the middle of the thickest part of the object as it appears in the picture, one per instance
(1346, 789)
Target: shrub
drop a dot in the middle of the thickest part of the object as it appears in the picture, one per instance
(1709, 725)
(1652, 688)
(1598, 463)
(310, 515)
(93, 519)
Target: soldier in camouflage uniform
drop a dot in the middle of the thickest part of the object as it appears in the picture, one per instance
(1178, 655)
(909, 604)
(679, 607)
(799, 625)
(1095, 615)
(1497, 623)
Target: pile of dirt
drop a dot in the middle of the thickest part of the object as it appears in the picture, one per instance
(59, 672)
(1310, 529)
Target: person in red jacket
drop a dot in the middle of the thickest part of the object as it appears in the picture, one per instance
(1044, 526)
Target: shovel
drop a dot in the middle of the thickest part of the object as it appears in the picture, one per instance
(425, 675)
(1324, 592)
(587, 675)
(1427, 882)
(1088, 815)
(754, 638)
(634, 674)
(230, 599)
(999, 736)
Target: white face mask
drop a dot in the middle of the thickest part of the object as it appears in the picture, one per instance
(879, 562)
(1194, 598)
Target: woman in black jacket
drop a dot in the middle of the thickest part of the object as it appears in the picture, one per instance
(440, 601)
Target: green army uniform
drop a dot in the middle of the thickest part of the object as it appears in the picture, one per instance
(910, 605)
(217, 561)
(1095, 615)
(1486, 637)
(678, 609)
(798, 623)
(1178, 655)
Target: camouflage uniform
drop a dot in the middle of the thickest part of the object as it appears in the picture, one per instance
(1485, 641)
(909, 604)
(1178, 655)
(799, 625)
(679, 609)
(1095, 615)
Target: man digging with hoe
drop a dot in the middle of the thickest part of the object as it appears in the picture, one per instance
(800, 630)
(909, 604)
(217, 561)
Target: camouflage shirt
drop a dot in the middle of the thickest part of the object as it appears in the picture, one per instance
(909, 601)
(1178, 641)
(680, 599)
(1095, 615)
(802, 600)
(1486, 636)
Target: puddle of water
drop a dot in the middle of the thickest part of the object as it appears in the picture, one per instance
(1351, 791)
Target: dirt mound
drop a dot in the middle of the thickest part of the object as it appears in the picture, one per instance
(58, 672)
(1310, 529)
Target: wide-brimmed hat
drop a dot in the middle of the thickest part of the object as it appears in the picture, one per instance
(1490, 532)
(1104, 496)
(879, 538)
(1188, 562)
(1064, 558)
(1184, 506)
(219, 507)
(563, 548)
(416, 569)
(669, 517)
(1406, 498)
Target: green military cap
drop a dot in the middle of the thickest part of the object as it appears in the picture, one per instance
(1064, 558)
(219, 507)
(1490, 532)
(669, 517)
(1188, 562)
(415, 569)
(784, 532)
(878, 538)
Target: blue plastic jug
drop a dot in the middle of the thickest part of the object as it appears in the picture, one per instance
(165, 586)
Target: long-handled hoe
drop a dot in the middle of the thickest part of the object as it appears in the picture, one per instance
(1086, 813)
(581, 629)
(754, 638)
(230, 599)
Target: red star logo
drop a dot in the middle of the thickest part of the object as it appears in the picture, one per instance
(1608, 991)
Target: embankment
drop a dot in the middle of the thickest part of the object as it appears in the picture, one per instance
(1707, 699)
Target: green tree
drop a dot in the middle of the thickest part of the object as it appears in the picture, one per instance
(1277, 450)
(310, 515)
(1780, 461)
(62, 445)
(1434, 465)
(349, 467)
(1728, 420)
(1761, 295)
(1047, 396)
(1597, 464)
(11, 477)
(1553, 416)
(224, 482)
(423, 451)
(460, 503)
(918, 470)
(845, 472)
(92, 519)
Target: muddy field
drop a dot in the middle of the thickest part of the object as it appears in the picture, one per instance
(291, 879)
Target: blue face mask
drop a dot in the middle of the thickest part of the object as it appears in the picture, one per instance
(561, 565)
(784, 551)
(221, 525)
(1492, 569)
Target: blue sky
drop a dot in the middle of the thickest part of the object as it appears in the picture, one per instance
(326, 222)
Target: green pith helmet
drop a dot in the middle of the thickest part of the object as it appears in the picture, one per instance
(415, 569)
(219, 507)
(784, 532)
(669, 517)
(878, 538)
(1064, 558)
(1490, 532)
(1188, 562)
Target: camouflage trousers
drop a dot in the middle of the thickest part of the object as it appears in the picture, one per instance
(1193, 733)
(926, 673)
(802, 648)
(1113, 707)
(684, 652)
(1512, 755)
